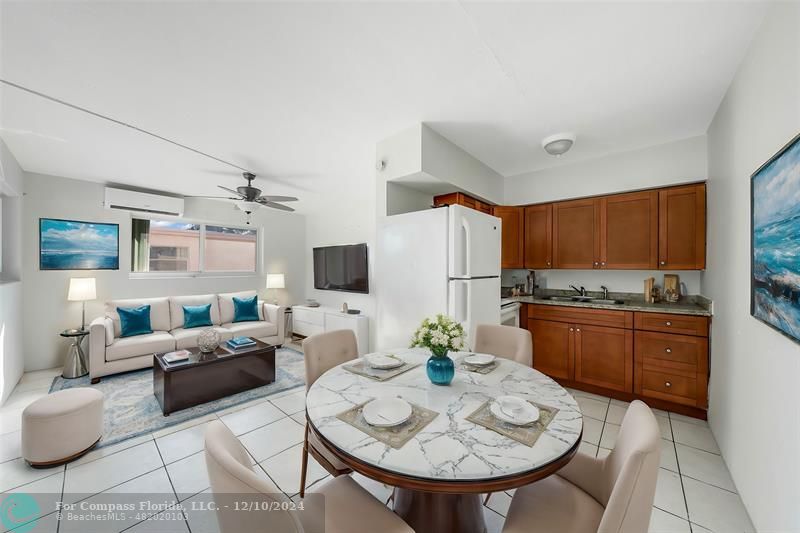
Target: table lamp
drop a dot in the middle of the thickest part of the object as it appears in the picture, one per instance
(275, 281)
(81, 290)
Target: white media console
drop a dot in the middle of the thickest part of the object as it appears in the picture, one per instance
(309, 321)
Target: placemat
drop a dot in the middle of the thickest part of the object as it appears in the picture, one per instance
(478, 369)
(527, 435)
(395, 436)
(363, 369)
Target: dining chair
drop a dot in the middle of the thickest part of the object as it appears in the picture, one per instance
(610, 495)
(339, 506)
(321, 353)
(508, 342)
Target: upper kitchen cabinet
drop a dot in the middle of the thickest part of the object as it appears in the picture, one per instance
(513, 235)
(576, 242)
(459, 198)
(629, 231)
(682, 228)
(539, 236)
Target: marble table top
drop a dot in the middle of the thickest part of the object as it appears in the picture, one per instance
(450, 447)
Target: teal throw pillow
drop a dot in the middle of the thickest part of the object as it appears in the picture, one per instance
(195, 316)
(134, 320)
(245, 309)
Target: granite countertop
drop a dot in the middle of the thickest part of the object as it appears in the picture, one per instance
(688, 305)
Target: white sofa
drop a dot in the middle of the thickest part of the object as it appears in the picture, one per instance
(110, 354)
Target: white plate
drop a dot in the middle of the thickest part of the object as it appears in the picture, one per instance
(384, 362)
(386, 412)
(479, 359)
(514, 410)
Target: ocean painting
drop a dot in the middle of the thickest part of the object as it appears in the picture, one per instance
(74, 245)
(775, 293)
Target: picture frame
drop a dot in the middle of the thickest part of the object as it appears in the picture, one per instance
(78, 245)
(775, 241)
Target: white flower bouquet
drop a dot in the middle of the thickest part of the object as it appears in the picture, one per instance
(440, 335)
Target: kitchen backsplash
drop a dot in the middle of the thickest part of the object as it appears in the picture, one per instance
(615, 280)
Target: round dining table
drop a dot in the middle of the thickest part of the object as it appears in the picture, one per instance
(440, 474)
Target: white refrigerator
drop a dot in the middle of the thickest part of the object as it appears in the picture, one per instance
(444, 260)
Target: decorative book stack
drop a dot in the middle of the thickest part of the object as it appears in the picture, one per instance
(237, 343)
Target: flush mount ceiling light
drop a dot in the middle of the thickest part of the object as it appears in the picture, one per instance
(558, 144)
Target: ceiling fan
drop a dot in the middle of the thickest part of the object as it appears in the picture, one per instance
(251, 197)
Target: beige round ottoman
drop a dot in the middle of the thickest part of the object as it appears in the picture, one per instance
(62, 426)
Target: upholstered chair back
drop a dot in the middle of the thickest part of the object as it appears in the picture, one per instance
(630, 473)
(508, 342)
(327, 350)
(231, 475)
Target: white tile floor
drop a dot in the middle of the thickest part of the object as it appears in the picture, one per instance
(695, 491)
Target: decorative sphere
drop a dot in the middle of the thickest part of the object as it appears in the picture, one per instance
(208, 341)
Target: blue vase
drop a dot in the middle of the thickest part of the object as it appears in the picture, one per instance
(440, 370)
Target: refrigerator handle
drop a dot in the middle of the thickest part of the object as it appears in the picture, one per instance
(460, 305)
(468, 313)
(467, 247)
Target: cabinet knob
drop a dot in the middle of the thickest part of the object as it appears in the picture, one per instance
(595, 263)
(572, 329)
(668, 350)
(663, 263)
(548, 263)
(668, 323)
(578, 329)
(668, 384)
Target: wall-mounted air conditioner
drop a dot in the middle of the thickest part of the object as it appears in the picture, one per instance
(142, 202)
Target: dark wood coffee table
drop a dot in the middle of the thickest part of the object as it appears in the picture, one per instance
(210, 376)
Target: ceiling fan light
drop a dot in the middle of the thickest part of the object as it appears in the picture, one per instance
(558, 144)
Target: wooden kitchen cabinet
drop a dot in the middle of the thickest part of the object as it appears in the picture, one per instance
(553, 344)
(661, 358)
(672, 367)
(538, 247)
(682, 228)
(576, 242)
(513, 236)
(604, 357)
(459, 198)
(629, 231)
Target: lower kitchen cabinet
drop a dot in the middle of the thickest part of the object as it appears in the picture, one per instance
(604, 357)
(552, 348)
(672, 367)
(625, 355)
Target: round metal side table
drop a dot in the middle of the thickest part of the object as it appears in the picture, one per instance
(75, 364)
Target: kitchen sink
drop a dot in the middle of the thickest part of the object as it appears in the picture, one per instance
(584, 299)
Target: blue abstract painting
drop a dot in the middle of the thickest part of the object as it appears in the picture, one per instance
(74, 245)
(775, 294)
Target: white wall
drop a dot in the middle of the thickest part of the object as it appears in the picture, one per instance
(449, 163)
(754, 397)
(345, 221)
(11, 354)
(46, 310)
(666, 164)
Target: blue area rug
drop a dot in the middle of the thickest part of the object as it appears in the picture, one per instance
(132, 410)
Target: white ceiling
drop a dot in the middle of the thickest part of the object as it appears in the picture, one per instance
(302, 92)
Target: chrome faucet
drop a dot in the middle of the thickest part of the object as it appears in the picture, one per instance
(605, 292)
(580, 291)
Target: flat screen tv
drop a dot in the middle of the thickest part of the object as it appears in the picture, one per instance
(341, 268)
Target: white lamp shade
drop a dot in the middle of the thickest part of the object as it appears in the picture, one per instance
(81, 289)
(276, 281)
